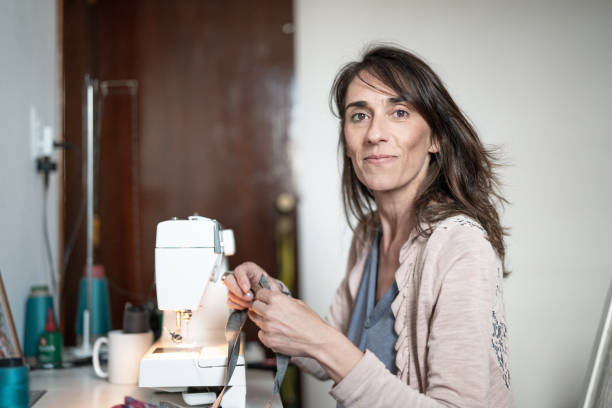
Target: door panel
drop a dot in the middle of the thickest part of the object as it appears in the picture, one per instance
(213, 107)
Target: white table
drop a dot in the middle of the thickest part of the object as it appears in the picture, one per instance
(80, 387)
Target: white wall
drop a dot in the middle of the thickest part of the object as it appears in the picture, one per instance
(28, 77)
(533, 76)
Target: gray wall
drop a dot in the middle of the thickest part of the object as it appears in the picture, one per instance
(28, 77)
(533, 76)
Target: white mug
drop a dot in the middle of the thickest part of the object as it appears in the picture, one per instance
(124, 353)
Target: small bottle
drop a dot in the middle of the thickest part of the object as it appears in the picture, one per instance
(50, 344)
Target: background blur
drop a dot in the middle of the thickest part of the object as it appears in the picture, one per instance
(532, 75)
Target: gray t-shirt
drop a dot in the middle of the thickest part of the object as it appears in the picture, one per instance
(371, 325)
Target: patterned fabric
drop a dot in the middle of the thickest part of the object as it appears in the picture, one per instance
(499, 336)
(130, 402)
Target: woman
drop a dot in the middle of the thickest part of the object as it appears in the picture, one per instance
(418, 320)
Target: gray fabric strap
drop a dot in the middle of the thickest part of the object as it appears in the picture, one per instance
(233, 328)
(282, 361)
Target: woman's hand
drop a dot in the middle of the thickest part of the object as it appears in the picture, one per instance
(241, 282)
(287, 325)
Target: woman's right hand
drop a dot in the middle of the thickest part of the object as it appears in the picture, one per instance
(241, 282)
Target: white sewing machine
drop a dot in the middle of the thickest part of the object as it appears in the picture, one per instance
(192, 350)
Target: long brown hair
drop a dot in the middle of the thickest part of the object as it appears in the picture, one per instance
(461, 178)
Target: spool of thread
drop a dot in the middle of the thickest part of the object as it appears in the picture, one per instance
(135, 319)
(38, 303)
(100, 317)
(15, 387)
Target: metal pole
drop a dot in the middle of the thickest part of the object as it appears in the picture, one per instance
(90, 210)
(599, 385)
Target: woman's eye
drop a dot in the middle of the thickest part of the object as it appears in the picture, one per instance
(400, 113)
(358, 117)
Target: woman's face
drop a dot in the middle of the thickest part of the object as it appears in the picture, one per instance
(387, 140)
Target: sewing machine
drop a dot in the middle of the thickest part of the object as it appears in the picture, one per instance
(191, 355)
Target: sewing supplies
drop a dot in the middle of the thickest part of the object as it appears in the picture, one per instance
(37, 306)
(100, 314)
(14, 383)
(135, 319)
(50, 344)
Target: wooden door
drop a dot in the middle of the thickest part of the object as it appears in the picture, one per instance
(214, 81)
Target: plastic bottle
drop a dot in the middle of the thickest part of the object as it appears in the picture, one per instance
(50, 344)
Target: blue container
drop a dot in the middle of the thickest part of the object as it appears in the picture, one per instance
(37, 306)
(100, 315)
(15, 387)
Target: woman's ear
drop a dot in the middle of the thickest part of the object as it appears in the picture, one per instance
(435, 145)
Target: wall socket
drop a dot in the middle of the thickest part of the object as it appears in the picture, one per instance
(41, 137)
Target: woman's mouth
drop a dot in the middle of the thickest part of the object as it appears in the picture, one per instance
(379, 158)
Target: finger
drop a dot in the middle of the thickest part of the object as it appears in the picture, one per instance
(264, 295)
(247, 300)
(239, 301)
(245, 297)
(263, 338)
(233, 305)
(255, 318)
(248, 275)
(232, 286)
(245, 282)
(260, 307)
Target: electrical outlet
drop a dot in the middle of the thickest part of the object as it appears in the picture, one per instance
(46, 143)
(41, 137)
(36, 134)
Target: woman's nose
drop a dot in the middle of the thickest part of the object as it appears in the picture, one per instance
(376, 131)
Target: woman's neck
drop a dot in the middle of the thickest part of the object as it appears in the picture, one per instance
(397, 217)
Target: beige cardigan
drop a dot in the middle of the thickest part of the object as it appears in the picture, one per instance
(450, 321)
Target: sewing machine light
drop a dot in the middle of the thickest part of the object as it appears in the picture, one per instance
(229, 245)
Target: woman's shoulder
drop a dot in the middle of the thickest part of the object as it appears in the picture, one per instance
(459, 247)
(459, 234)
(458, 225)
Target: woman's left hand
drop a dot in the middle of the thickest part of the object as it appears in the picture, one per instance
(287, 325)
